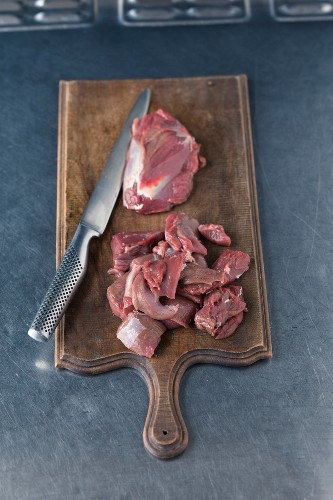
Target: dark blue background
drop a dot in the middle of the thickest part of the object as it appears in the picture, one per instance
(262, 432)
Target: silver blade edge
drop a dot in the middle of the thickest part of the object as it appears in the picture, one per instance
(105, 194)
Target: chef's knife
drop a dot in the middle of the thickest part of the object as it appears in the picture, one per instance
(92, 224)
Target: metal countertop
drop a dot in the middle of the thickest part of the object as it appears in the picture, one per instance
(262, 432)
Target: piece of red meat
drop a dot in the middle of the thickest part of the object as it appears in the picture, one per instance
(237, 290)
(115, 272)
(146, 301)
(154, 273)
(182, 234)
(221, 313)
(135, 267)
(233, 263)
(229, 326)
(115, 295)
(196, 280)
(141, 334)
(197, 299)
(195, 289)
(215, 233)
(161, 248)
(126, 246)
(185, 313)
(174, 265)
(199, 260)
(161, 160)
(194, 274)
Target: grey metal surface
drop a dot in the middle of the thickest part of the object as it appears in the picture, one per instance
(263, 432)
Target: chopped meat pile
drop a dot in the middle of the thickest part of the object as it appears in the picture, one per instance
(164, 282)
(162, 159)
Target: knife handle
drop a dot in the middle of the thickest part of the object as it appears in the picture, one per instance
(64, 285)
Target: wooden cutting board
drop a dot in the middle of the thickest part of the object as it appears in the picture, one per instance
(216, 111)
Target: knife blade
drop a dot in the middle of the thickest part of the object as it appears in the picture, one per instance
(92, 224)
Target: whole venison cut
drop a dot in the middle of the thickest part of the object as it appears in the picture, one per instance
(161, 161)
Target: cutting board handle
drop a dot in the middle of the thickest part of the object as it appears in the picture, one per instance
(165, 434)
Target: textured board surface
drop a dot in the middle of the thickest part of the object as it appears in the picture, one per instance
(216, 111)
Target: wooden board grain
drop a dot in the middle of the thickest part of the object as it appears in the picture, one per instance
(216, 112)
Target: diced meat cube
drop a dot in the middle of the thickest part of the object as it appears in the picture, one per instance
(141, 334)
(233, 263)
(161, 160)
(126, 246)
(185, 313)
(115, 295)
(221, 313)
(182, 234)
(215, 233)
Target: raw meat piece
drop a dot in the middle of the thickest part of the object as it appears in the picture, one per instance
(115, 272)
(174, 265)
(221, 313)
(181, 233)
(200, 260)
(140, 333)
(215, 233)
(197, 299)
(161, 248)
(194, 274)
(161, 160)
(154, 273)
(230, 326)
(115, 295)
(233, 263)
(185, 313)
(126, 246)
(195, 289)
(196, 280)
(237, 290)
(144, 300)
(135, 268)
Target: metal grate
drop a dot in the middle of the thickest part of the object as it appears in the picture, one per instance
(46, 14)
(301, 10)
(173, 12)
(57, 296)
